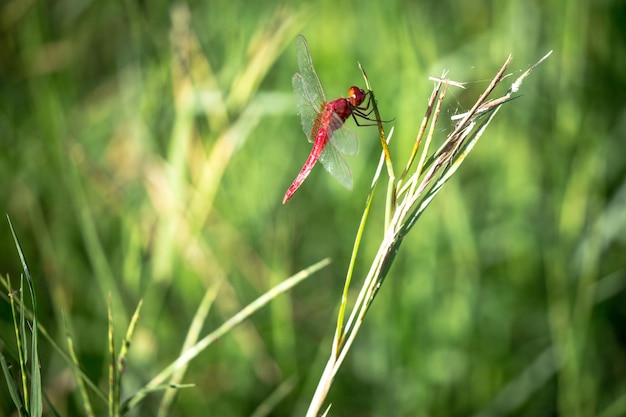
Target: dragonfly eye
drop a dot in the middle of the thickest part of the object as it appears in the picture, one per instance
(356, 96)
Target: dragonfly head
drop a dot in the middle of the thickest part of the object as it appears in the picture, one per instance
(356, 96)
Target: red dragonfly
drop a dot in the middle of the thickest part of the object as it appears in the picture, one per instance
(322, 121)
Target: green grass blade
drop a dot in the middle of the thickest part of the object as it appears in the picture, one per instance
(17, 327)
(36, 400)
(80, 378)
(36, 396)
(157, 382)
(114, 383)
(136, 398)
(192, 337)
(355, 250)
(121, 361)
(13, 389)
(17, 303)
(279, 394)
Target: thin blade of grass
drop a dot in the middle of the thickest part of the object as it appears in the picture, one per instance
(121, 360)
(80, 380)
(420, 132)
(280, 393)
(421, 165)
(66, 358)
(227, 326)
(132, 401)
(446, 175)
(13, 389)
(36, 404)
(20, 338)
(355, 250)
(36, 397)
(269, 41)
(192, 337)
(379, 124)
(338, 342)
(113, 377)
(19, 328)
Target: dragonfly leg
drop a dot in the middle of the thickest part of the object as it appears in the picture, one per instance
(364, 113)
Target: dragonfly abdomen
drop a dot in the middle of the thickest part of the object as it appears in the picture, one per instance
(320, 142)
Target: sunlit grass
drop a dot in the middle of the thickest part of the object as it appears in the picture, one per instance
(409, 194)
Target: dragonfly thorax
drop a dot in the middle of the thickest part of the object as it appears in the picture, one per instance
(342, 107)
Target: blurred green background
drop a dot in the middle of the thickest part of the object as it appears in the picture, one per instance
(146, 147)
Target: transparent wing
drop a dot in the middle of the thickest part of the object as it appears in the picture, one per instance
(310, 98)
(336, 166)
(307, 110)
(342, 138)
(312, 86)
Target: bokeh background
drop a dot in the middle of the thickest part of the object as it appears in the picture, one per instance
(146, 147)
